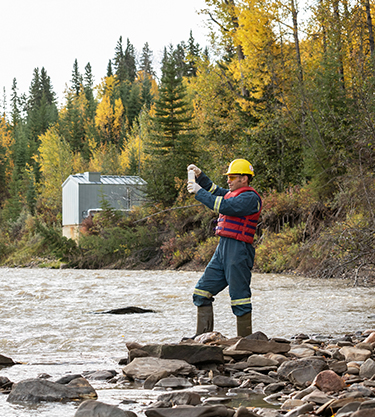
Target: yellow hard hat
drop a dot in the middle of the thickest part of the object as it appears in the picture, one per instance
(241, 167)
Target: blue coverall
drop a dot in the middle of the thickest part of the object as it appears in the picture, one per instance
(233, 260)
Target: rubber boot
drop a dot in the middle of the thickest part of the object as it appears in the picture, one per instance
(244, 327)
(205, 319)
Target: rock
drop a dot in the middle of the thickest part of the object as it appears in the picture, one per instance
(92, 408)
(142, 368)
(301, 410)
(348, 408)
(367, 412)
(260, 360)
(370, 338)
(191, 411)
(298, 395)
(258, 346)
(302, 376)
(274, 387)
(37, 390)
(137, 353)
(244, 412)
(364, 391)
(209, 337)
(154, 378)
(5, 384)
(291, 403)
(339, 367)
(225, 381)
(367, 369)
(191, 353)
(317, 397)
(301, 351)
(367, 404)
(286, 367)
(354, 354)
(257, 378)
(257, 336)
(174, 382)
(180, 398)
(101, 375)
(127, 310)
(364, 345)
(5, 361)
(67, 378)
(328, 381)
(277, 357)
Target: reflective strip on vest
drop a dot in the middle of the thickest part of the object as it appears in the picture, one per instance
(213, 188)
(202, 293)
(241, 302)
(217, 204)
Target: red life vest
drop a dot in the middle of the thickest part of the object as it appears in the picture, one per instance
(239, 228)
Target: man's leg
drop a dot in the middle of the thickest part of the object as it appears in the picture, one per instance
(238, 265)
(211, 283)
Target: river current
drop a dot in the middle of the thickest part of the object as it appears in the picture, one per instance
(49, 325)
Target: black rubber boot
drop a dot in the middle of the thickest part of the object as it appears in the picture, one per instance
(205, 319)
(244, 326)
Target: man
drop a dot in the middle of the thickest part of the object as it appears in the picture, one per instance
(231, 265)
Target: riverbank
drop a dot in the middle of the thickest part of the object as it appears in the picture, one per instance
(215, 376)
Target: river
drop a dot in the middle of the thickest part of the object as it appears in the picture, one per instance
(49, 326)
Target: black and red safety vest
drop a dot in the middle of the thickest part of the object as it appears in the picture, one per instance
(239, 228)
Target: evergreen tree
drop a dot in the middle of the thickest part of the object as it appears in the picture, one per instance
(146, 61)
(172, 142)
(15, 105)
(193, 51)
(119, 62)
(134, 103)
(147, 97)
(179, 56)
(76, 79)
(109, 69)
(129, 61)
(88, 89)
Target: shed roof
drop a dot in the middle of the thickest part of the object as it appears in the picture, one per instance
(87, 178)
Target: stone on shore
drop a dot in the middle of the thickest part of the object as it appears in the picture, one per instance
(36, 390)
(258, 346)
(142, 368)
(191, 411)
(329, 381)
(92, 408)
(5, 361)
(191, 353)
(367, 369)
(352, 353)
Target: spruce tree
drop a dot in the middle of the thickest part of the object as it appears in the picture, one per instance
(130, 62)
(172, 143)
(193, 51)
(15, 104)
(119, 62)
(76, 79)
(146, 61)
(109, 69)
(88, 89)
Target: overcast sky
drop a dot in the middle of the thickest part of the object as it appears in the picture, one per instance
(53, 33)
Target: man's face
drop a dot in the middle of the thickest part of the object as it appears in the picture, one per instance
(237, 181)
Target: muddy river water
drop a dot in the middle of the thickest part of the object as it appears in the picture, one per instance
(48, 323)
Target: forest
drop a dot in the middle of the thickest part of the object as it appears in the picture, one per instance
(291, 90)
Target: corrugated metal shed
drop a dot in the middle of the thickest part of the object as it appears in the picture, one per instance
(82, 193)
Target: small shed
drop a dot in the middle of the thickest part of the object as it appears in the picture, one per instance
(82, 195)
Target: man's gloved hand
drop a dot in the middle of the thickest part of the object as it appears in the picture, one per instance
(194, 168)
(193, 187)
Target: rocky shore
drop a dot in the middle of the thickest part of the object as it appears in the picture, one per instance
(304, 376)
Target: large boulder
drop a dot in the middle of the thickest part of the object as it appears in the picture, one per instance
(92, 408)
(191, 353)
(36, 390)
(142, 368)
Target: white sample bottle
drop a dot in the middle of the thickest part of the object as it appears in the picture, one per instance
(191, 177)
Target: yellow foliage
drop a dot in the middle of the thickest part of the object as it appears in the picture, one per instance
(6, 141)
(56, 164)
(109, 119)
